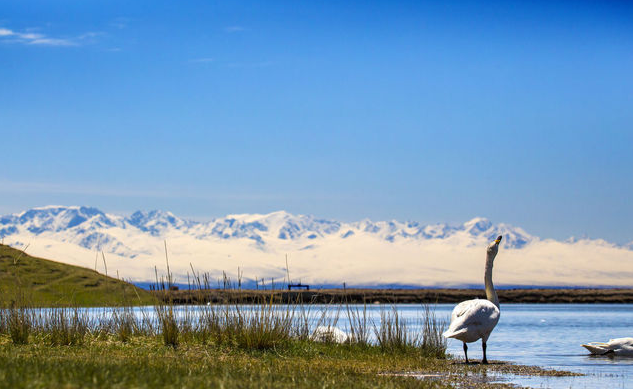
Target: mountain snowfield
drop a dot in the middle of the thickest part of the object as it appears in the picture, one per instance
(320, 252)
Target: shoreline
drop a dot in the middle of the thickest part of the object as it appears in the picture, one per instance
(397, 296)
(144, 361)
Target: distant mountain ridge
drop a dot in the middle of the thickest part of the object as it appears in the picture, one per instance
(86, 226)
(262, 239)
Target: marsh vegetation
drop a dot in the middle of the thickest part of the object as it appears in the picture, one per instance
(265, 343)
(124, 343)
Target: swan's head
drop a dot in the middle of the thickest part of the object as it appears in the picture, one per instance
(494, 247)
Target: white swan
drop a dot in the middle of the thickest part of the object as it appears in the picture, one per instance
(472, 320)
(329, 334)
(620, 347)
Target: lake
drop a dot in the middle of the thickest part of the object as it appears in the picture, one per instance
(549, 336)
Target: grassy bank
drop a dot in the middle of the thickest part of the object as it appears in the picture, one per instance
(229, 346)
(403, 296)
(145, 362)
(44, 283)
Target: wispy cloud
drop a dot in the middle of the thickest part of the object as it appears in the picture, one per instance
(8, 187)
(202, 60)
(28, 37)
(5, 32)
(260, 64)
(30, 192)
(232, 29)
(120, 22)
(16, 187)
(245, 64)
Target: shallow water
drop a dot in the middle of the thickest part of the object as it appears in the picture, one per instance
(544, 335)
(550, 335)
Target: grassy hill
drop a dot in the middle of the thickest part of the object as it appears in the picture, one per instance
(40, 282)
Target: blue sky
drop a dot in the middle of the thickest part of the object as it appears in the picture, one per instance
(518, 111)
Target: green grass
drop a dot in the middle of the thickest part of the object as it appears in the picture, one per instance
(44, 283)
(225, 347)
(144, 362)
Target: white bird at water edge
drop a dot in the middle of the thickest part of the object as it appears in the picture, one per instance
(618, 347)
(472, 320)
(329, 334)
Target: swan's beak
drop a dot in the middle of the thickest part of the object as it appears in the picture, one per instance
(498, 239)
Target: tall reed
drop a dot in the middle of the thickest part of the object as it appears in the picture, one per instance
(393, 334)
(359, 324)
(19, 324)
(65, 326)
(433, 343)
(124, 324)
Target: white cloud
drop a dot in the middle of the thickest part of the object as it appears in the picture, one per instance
(120, 22)
(260, 64)
(52, 42)
(46, 188)
(202, 60)
(38, 39)
(90, 34)
(75, 189)
(231, 29)
(29, 36)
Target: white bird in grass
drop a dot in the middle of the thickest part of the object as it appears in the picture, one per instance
(472, 320)
(329, 334)
(619, 347)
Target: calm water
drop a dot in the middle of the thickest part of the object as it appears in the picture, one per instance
(545, 335)
(550, 335)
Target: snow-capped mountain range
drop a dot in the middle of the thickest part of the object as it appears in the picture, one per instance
(320, 251)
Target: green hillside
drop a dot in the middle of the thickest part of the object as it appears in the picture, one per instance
(40, 282)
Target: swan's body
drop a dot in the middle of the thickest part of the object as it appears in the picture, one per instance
(329, 334)
(620, 346)
(472, 320)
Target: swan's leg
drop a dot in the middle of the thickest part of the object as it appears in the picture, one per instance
(466, 352)
(483, 345)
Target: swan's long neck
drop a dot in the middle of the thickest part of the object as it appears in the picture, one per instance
(490, 288)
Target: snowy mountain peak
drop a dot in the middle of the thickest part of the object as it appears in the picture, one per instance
(156, 222)
(321, 251)
(58, 210)
(56, 218)
(93, 229)
(477, 225)
(280, 225)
